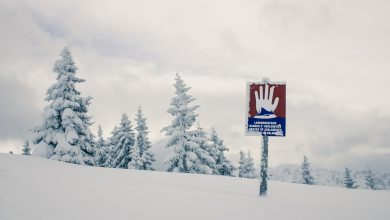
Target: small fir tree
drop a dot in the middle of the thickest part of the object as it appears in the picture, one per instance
(135, 161)
(141, 156)
(26, 150)
(101, 149)
(307, 178)
(122, 142)
(370, 179)
(246, 167)
(224, 166)
(251, 170)
(200, 138)
(242, 165)
(65, 131)
(349, 182)
(110, 146)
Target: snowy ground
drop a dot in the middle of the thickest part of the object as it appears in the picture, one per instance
(37, 189)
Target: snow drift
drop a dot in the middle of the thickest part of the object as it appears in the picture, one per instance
(35, 188)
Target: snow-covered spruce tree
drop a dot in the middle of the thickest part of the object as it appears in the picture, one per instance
(188, 156)
(307, 178)
(224, 166)
(110, 144)
(65, 133)
(250, 167)
(141, 156)
(348, 180)
(122, 142)
(370, 179)
(247, 166)
(101, 149)
(26, 150)
(242, 165)
(200, 137)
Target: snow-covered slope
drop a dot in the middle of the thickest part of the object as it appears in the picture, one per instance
(36, 189)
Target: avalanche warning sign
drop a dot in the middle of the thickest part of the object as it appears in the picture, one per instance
(266, 108)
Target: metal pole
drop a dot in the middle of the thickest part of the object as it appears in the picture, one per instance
(264, 167)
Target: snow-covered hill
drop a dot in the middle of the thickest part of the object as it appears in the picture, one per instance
(37, 189)
(326, 177)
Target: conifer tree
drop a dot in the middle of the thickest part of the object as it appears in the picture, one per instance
(307, 178)
(188, 156)
(100, 140)
(135, 161)
(224, 166)
(246, 168)
(101, 149)
(121, 142)
(242, 165)
(65, 131)
(348, 180)
(200, 138)
(251, 170)
(370, 179)
(141, 156)
(26, 150)
(110, 144)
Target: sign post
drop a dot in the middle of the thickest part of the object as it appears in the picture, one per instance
(265, 116)
(264, 167)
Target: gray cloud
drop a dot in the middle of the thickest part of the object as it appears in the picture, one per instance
(18, 111)
(50, 25)
(334, 56)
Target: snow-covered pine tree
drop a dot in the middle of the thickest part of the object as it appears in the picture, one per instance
(101, 149)
(200, 137)
(348, 180)
(224, 166)
(307, 178)
(122, 142)
(141, 156)
(370, 179)
(250, 167)
(65, 132)
(247, 166)
(110, 144)
(242, 165)
(135, 161)
(188, 156)
(100, 140)
(26, 150)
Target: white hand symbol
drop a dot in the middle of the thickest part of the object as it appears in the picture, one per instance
(265, 102)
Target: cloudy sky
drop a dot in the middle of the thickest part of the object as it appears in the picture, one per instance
(334, 56)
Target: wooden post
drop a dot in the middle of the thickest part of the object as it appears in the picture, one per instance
(264, 167)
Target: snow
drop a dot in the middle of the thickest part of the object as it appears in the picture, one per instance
(35, 188)
(42, 150)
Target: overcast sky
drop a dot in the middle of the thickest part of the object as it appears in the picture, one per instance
(334, 56)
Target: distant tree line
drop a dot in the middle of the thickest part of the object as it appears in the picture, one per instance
(349, 181)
